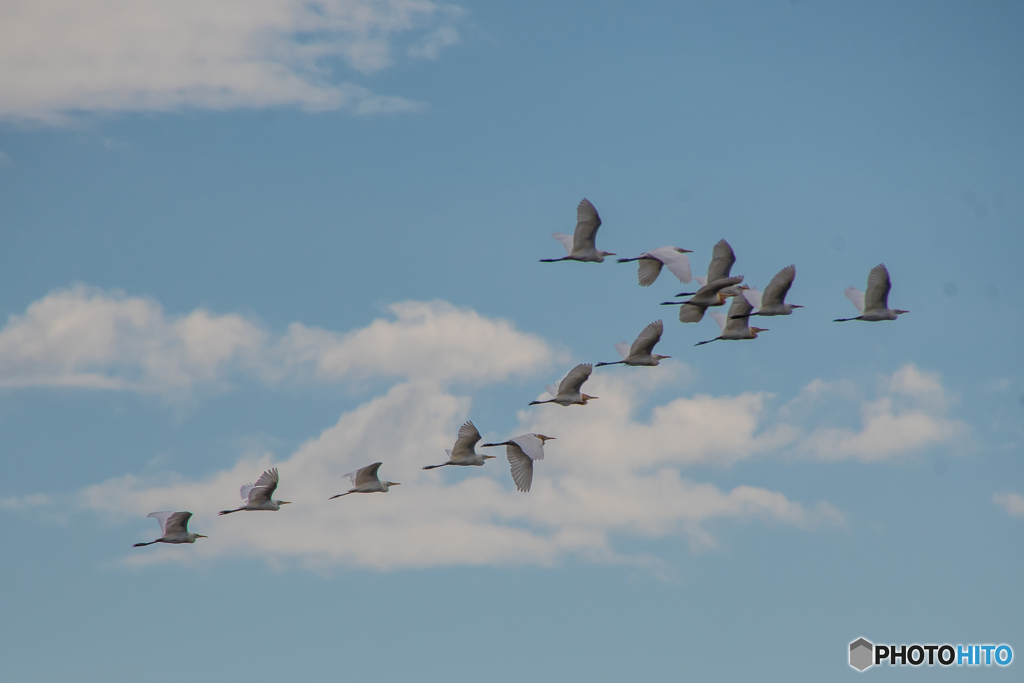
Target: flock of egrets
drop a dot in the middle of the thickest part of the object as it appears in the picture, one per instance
(522, 451)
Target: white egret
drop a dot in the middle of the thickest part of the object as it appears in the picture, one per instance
(463, 452)
(174, 527)
(640, 352)
(873, 305)
(365, 480)
(651, 262)
(713, 294)
(772, 302)
(580, 244)
(521, 452)
(567, 392)
(722, 258)
(257, 496)
(736, 324)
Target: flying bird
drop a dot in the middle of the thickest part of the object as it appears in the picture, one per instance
(521, 452)
(651, 262)
(364, 480)
(772, 302)
(174, 527)
(580, 244)
(874, 304)
(713, 294)
(736, 324)
(640, 352)
(257, 496)
(463, 452)
(567, 392)
(722, 258)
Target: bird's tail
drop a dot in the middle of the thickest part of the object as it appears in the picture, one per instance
(228, 512)
(139, 545)
(431, 467)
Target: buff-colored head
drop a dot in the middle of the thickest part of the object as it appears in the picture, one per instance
(544, 438)
(588, 398)
(684, 251)
(659, 357)
(756, 330)
(490, 457)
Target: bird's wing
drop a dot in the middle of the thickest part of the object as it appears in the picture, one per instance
(701, 280)
(675, 261)
(468, 436)
(587, 223)
(737, 318)
(622, 348)
(877, 295)
(264, 487)
(719, 285)
(566, 240)
(521, 466)
(552, 389)
(177, 523)
(647, 338)
(753, 296)
(722, 258)
(161, 517)
(775, 292)
(856, 296)
(648, 271)
(720, 319)
(572, 382)
(366, 475)
(690, 314)
(531, 444)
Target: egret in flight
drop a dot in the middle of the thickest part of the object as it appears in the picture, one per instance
(521, 452)
(713, 294)
(736, 324)
(364, 480)
(580, 244)
(652, 261)
(772, 302)
(174, 527)
(567, 392)
(874, 304)
(463, 452)
(640, 352)
(257, 496)
(722, 258)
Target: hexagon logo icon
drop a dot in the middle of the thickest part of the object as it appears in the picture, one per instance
(861, 654)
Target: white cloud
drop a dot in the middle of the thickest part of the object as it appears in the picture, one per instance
(1013, 503)
(58, 58)
(85, 337)
(28, 502)
(587, 493)
(909, 414)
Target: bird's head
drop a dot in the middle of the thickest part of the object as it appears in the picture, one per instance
(606, 253)
(795, 306)
(389, 484)
(683, 251)
(659, 357)
(544, 438)
(283, 502)
(756, 330)
(899, 312)
(490, 457)
(195, 536)
(588, 398)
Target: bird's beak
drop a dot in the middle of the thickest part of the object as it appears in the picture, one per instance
(684, 251)
(201, 536)
(285, 502)
(395, 483)
(898, 311)
(795, 306)
(758, 329)
(545, 438)
(490, 457)
(589, 398)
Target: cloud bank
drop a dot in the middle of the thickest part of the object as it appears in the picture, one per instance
(615, 471)
(58, 58)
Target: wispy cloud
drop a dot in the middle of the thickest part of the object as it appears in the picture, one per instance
(86, 337)
(1013, 503)
(60, 58)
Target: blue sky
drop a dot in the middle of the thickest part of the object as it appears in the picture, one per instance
(307, 236)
